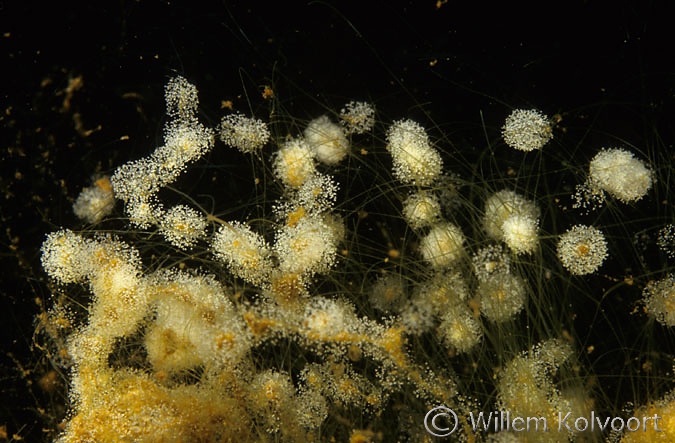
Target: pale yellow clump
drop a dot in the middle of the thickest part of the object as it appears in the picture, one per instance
(309, 246)
(502, 296)
(89, 351)
(442, 289)
(112, 269)
(442, 297)
(511, 218)
(520, 233)
(526, 388)
(650, 431)
(459, 329)
(327, 140)
(120, 301)
(317, 194)
(271, 396)
(183, 143)
(294, 163)
(131, 406)
(311, 408)
(443, 245)
(144, 212)
(194, 323)
(326, 319)
(182, 226)
(490, 260)
(245, 252)
(141, 179)
(421, 209)
(388, 293)
(281, 409)
(65, 256)
(339, 383)
(95, 202)
(186, 140)
(415, 161)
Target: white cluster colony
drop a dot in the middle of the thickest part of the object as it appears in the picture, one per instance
(615, 172)
(181, 98)
(520, 233)
(620, 174)
(490, 260)
(186, 320)
(440, 302)
(247, 134)
(502, 296)
(416, 162)
(582, 249)
(659, 300)
(185, 140)
(527, 130)
(317, 194)
(511, 218)
(113, 271)
(357, 117)
(666, 240)
(63, 257)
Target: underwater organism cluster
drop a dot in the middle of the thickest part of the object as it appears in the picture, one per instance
(375, 279)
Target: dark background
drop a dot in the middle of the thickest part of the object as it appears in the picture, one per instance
(454, 62)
